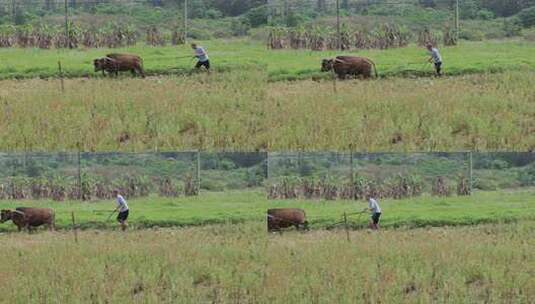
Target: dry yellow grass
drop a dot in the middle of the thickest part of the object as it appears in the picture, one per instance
(243, 264)
(242, 111)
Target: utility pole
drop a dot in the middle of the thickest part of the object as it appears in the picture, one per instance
(471, 169)
(68, 39)
(14, 11)
(457, 20)
(286, 12)
(80, 194)
(338, 38)
(185, 21)
(270, 12)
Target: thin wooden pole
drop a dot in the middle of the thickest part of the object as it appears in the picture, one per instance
(14, 11)
(338, 38)
(471, 172)
(198, 172)
(334, 80)
(61, 76)
(351, 169)
(74, 228)
(270, 12)
(67, 25)
(185, 21)
(457, 20)
(267, 166)
(346, 227)
(80, 195)
(286, 12)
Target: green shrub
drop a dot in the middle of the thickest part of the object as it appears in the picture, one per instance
(499, 164)
(527, 17)
(226, 164)
(527, 176)
(199, 34)
(494, 33)
(257, 16)
(474, 35)
(213, 14)
(212, 185)
(259, 34)
(485, 14)
(512, 26)
(529, 34)
(485, 185)
(107, 9)
(239, 27)
(295, 19)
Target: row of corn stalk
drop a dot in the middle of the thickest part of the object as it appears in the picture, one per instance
(59, 188)
(398, 187)
(112, 35)
(440, 187)
(384, 36)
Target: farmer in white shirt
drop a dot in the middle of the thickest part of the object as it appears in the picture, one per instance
(201, 56)
(435, 58)
(373, 207)
(122, 208)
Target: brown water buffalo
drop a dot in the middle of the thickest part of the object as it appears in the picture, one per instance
(115, 63)
(286, 217)
(29, 218)
(349, 65)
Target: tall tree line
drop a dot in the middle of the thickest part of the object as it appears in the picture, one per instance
(502, 8)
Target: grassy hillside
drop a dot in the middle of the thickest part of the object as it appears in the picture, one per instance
(233, 55)
(243, 264)
(233, 207)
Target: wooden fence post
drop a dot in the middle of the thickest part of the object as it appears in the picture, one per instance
(334, 81)
(61, 76)
(74, 228)
(346, 227)
(198, 172)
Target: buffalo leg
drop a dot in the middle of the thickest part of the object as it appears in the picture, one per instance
(140, 71)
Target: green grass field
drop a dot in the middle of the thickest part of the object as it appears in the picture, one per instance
(241, 111)
(244, 206)
(241, 263)
(469, 57)
(228, 257)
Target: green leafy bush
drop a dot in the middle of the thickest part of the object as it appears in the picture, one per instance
(512, 27)
(527, 176)
(485, 14)
(213, 14)
(257, 16)
(527, 17)
(529, 34)
(474, 35)
(239, 27)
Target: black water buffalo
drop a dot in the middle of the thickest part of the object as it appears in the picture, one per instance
(115, 63)
(349, 65)
(29, 218)
(286, 217)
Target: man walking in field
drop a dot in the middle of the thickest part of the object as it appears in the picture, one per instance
(201, 56)
(435, 58)
(373, 207)
(122, 208)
